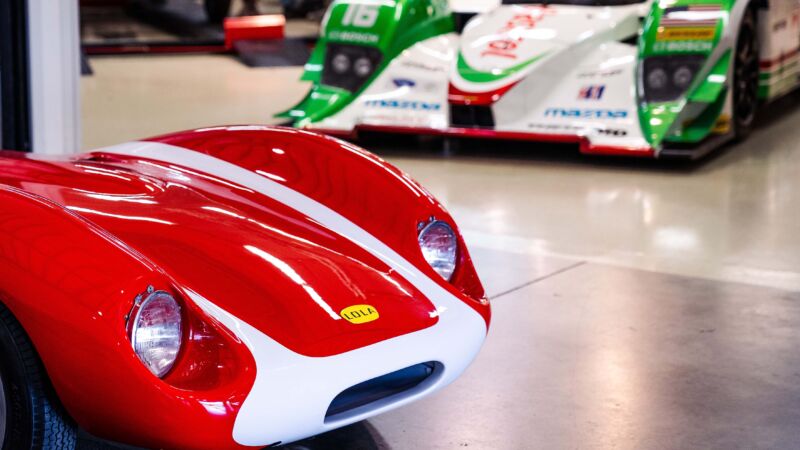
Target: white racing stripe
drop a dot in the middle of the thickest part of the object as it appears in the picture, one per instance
(292, 392)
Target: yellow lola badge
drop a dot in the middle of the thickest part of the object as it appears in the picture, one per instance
(359, 314)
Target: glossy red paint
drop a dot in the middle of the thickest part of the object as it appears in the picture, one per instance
(70, 284)
(90, 232)
(263, 27)
(357, 184)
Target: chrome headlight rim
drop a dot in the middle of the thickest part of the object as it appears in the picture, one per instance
(133, 324)
(425, 229)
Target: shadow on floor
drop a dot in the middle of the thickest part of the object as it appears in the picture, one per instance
(359, 436)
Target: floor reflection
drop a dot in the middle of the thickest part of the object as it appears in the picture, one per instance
(731, 217)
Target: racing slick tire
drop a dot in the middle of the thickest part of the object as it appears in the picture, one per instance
(745, 76)
(217, 10)
(31, 416)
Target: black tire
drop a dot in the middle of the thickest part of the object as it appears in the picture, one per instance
(293, 9)
(217, 10)
(32, 416)
(745, 76)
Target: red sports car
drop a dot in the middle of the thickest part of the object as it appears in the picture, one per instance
(221, 288)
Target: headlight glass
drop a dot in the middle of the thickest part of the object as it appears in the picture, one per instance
(667, 78)
(362, 67)
(439, 246)
(682, 77)
(154, 329)
(340, 63)
(349, 66)
(657, 79)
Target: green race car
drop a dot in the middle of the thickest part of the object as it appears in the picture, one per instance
(623, 77)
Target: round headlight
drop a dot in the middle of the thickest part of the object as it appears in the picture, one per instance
(439, 246)
(682, 77)
(657, 78)
(362, 67)
(340, 63)
(155, 331)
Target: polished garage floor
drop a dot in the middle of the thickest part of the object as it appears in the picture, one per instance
(637, 304)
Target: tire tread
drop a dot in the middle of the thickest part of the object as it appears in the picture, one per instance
(51, 427)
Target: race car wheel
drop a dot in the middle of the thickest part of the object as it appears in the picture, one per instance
(745, 76)
(30, 414)
(217, 10)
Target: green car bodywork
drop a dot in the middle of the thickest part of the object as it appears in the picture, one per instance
(478, 76)
(706, 97)
(392, 26)
(396, 25)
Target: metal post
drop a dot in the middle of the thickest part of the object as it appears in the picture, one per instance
(15, 132)
(54, 62)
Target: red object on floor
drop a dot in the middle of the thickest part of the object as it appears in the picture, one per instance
(263, 27)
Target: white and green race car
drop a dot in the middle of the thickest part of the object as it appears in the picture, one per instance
(649, 78)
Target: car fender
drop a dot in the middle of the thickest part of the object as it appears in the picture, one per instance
(71, 284)
(412, 90)
(706, 105)
(388, 27)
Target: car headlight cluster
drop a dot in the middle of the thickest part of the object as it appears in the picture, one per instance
(154, 329)
(439, 246)
(667, 78)
(349, 66)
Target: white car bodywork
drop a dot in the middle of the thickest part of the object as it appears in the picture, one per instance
(570, 74)
(295, 390)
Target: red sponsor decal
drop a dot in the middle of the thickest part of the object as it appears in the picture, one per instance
(505, 47)
(593, 92)
(456, 96)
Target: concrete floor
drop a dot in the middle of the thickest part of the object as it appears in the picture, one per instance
(598, 356)
(637, 304)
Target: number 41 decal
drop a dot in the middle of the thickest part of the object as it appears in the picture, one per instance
(360, 15)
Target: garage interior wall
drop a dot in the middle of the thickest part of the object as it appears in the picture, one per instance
(54, 62)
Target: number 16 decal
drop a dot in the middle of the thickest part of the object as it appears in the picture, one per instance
(360, 15)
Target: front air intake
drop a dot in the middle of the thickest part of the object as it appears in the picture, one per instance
(372, 391)
(471, 116)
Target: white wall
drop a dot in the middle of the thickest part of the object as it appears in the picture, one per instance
(54, 46)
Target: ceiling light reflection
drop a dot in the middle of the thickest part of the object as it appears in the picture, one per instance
(294, 276)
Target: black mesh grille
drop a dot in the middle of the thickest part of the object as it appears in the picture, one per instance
(381, 387)
(471, 116)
